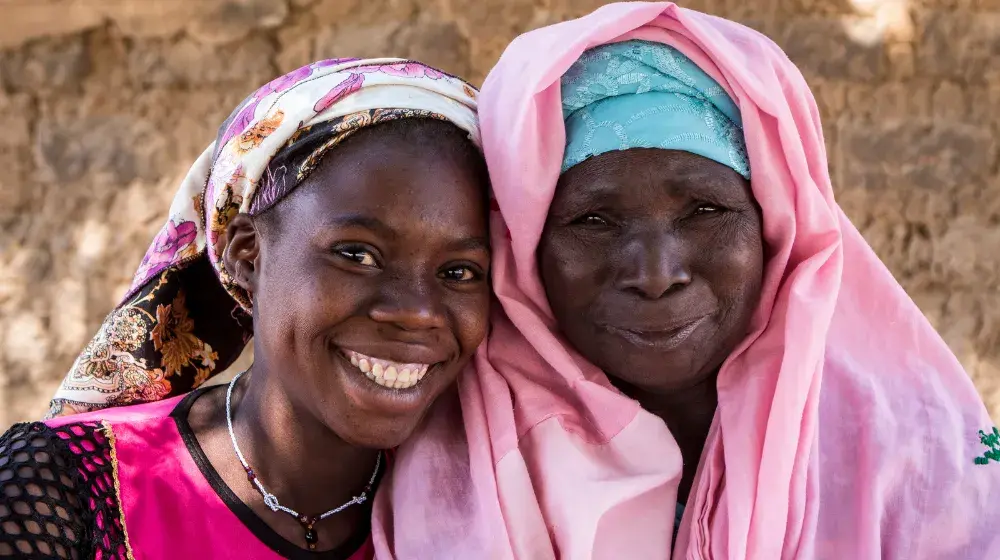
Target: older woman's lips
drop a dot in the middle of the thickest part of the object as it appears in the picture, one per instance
(659, 339)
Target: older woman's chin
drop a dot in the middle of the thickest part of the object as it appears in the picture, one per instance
(661, 361)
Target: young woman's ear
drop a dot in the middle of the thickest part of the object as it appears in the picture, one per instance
(242, 249)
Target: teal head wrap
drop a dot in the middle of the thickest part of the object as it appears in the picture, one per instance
(639, 94)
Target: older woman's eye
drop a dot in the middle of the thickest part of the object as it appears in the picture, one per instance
(703, 209)
(591, 220)
(461, 274)
(360, 256)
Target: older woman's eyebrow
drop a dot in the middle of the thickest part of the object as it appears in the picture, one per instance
(586, 190)
(682, 184)
(702, 184)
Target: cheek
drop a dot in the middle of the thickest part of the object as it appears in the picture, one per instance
(273, 314)
(470, 313)
(573, 272)
(736, 266)
(305, 296)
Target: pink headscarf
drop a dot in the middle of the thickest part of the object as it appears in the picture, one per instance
(845, 426)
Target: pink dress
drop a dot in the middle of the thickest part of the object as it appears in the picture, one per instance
(130, 483)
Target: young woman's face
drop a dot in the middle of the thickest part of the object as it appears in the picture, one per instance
(370, 287)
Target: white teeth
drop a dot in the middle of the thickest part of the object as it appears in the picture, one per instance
(387, 373)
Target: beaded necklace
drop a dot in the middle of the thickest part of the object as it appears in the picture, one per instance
(308, 522)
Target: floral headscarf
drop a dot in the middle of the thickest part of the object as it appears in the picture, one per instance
(184, 318)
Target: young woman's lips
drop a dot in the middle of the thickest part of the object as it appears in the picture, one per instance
(388, 373)
(663, 340)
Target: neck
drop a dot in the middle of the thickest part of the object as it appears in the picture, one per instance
(688, 413)
(296, 457)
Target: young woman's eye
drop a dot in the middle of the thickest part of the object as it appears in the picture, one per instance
(591, 220)
(358, 255)
(461, 274)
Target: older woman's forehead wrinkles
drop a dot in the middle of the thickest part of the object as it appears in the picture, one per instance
(664, 168)
(600, 184)
(682, 174)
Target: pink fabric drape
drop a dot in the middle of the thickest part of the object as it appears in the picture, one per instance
(845, 427)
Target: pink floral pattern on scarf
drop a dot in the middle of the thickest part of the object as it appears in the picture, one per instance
(175, 242)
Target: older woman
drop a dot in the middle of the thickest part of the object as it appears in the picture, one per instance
(315, 223)
(693, 332)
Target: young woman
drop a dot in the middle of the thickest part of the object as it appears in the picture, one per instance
(316, 223)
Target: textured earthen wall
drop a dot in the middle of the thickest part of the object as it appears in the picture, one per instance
(104, 103)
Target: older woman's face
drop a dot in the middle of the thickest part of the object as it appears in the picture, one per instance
(371, 285)
(652, 261)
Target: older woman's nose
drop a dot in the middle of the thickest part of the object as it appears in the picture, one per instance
(653, 264)
(411, 305)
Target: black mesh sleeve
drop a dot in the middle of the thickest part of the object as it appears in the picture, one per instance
(57, 493)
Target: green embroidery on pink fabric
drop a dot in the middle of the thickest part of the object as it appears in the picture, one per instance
(992, 441)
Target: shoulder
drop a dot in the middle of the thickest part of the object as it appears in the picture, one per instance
(72, 455)
(40, 513)
(34, 450)
(30, 442)
(59, 497)
(121, 415)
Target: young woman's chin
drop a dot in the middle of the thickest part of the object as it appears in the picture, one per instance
(371, 414)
